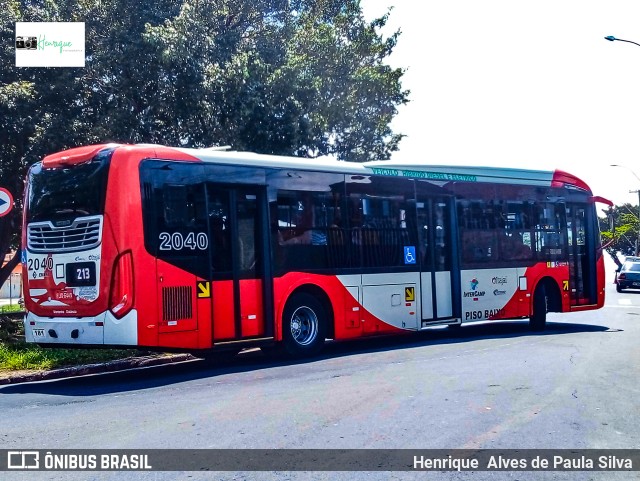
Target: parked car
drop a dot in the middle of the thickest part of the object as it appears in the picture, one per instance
(629, 275)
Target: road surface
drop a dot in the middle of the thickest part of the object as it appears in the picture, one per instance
(485, 386)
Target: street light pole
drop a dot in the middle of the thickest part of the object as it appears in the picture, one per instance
(611, 38)
(637, 252)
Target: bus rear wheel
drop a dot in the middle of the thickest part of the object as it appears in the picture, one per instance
(538, 318)
(303, 325)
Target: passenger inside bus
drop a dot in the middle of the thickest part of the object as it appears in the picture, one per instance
(304, 222)
(308, 237)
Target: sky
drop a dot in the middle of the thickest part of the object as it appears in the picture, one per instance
(510, 83)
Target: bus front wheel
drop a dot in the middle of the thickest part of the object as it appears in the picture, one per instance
(303, 325)
(538, 318)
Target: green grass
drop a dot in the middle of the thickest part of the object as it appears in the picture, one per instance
(20, 355)
(5, 309)
(16, 354)
(13, 358)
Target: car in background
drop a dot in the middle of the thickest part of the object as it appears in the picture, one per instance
(629, 275)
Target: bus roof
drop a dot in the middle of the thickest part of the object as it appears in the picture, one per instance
(443, 173)
(416, 170)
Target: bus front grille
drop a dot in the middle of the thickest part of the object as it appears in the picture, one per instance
(81, 234)
(176, 303)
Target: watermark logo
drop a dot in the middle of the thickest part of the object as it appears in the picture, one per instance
(50, 44)
(23, 460)
(26, 43)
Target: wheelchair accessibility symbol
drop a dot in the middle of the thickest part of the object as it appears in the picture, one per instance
(409, 254)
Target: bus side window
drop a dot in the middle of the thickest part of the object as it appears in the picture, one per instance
(301, 233)
(477, 222)
(183, 207)
(174, 202)
(247, 214)
(219, 231)
(381, 226)
(441, 236)
(550, 231)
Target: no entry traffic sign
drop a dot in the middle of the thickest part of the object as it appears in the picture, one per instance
(6, 201)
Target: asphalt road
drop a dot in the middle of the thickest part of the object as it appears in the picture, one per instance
(484, 386)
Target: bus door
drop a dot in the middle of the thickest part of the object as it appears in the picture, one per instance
(582, 278)
(435, 214)
(241, 288)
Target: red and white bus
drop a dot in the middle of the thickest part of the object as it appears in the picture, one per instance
(203, 249)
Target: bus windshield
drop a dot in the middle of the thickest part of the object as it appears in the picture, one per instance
(67, 193)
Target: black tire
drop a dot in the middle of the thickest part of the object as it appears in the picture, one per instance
(618, 288)
(304, 325)
(538, 318)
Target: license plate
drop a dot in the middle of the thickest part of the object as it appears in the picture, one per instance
(635, 284)
(38, 333)
(63, 295)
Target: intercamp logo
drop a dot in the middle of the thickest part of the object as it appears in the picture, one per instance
(23, 460)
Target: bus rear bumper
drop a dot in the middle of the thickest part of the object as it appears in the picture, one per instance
(101, 329)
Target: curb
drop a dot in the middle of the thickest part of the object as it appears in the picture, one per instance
(111, 366)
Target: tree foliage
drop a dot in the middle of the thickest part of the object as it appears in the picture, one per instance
(297, 77)
(625, 235)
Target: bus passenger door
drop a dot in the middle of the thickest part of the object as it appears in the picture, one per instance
(582, 278)
(241, 287)
(436, 257)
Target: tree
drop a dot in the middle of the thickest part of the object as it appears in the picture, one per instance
(624, 238)
(296, 77)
